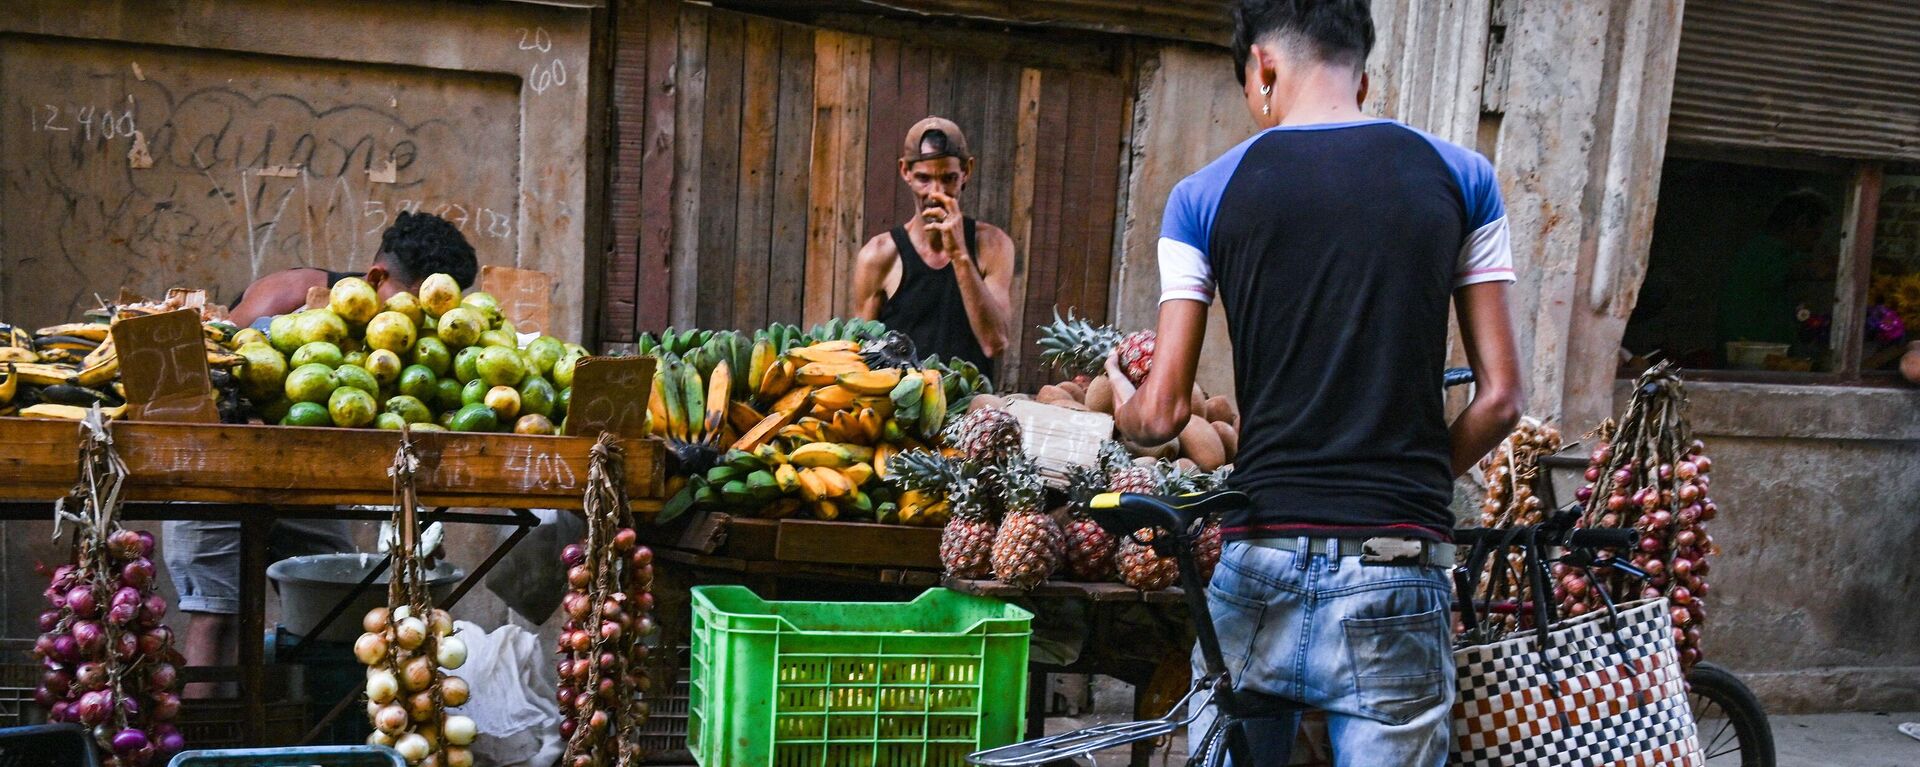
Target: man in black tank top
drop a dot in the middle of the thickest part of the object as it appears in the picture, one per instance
(941, 278)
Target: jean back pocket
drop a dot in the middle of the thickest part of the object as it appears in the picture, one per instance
(1398, 663)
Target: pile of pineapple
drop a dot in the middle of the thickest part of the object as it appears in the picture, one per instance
(785, 423)
(1000, 526)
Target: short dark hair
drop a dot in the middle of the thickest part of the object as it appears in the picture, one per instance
(1799, 207)
(419, 245)
(1332, 31)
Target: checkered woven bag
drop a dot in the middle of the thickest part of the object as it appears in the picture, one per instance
(1598, 690)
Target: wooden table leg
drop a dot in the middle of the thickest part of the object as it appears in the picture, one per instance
(1036, 704)
(253, 626)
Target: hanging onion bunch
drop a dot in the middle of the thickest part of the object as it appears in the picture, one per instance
(1650, 474)
(408, 648)
(109, 661)
(609, 606)
(1513, 479)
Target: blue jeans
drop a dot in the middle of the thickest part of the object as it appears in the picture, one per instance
(1368, 644)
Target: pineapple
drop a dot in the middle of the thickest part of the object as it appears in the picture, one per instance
(988, 436)
(966, 543)
(1089, 546)
(1078, 347)
(1029, 546)
(1139, 567)
(1209, 542)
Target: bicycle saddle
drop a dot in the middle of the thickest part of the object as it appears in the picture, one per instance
(1124, 513)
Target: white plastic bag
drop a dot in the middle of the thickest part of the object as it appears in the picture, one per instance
(512, 703)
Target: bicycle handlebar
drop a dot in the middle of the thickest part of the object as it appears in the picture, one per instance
(1576, 538)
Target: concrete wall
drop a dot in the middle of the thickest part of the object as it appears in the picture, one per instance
(1812, 593)
(271, 125)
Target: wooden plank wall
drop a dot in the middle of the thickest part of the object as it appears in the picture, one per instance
(753, 157)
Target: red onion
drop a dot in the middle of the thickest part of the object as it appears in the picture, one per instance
(93, 707)
(90, 676)
(121, 615)
(59, 712)
(126, 646)
(579, 576)
(137, 573)
(162, 676)
(1593, 474)
(642, 557)
(624, 540)
(1583, 494)
(166, 706)
(573, 554)
(88, 636)
(567, 726)
(576, 605)
(153, 644)
(125, 544)
(44, 697)
(56, 681)
(1681, 617)
(146, 543)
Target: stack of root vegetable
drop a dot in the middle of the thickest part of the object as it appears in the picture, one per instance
(109, 660)
(1649, 474)
(603, 646)
(409, 647)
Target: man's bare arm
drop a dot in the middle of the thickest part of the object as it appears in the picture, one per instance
(985, 282)
(1498, 393)
(275, 294)
(870, 279)
(1160, 409)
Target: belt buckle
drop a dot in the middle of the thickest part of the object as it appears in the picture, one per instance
(1391, 551)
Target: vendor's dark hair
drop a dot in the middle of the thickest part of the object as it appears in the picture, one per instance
(1333, 31)
(1800, 206)
(422, 244)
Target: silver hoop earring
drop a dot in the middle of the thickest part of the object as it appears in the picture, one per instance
(1266, 90)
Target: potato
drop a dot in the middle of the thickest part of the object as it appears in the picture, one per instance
(1100, 395)
(1052, 395)
(1199, 404)
(984, 401)
(1221, 408)
(1201, 443)
(1074, 389)
(1229, 439)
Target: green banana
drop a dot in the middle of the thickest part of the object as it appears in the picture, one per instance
(693, 397)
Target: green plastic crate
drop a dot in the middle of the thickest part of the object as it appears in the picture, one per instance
(844, 684)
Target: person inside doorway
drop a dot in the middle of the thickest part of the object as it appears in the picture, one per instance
(1336, 242)
(202, 557)
(942, 278)
(1758, 301)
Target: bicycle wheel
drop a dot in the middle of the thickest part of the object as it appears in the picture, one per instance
(1733, 726)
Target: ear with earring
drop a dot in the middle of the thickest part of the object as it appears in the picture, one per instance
(1267, 108)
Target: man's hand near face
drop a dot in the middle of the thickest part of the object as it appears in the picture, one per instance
(944, 234)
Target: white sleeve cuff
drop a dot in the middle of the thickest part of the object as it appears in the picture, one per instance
(1184, 272)
(1487, 256)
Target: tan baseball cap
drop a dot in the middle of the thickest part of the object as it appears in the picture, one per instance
(945, 136)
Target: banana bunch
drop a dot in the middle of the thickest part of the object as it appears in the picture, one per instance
(63, 370)
(687, 411)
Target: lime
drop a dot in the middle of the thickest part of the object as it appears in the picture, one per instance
(310, 383)
(353, 345)
(474, 417)
(432, 352)
(307, 414)
(275, 410)
(389, 422)
(351, 407)
(500, 366)
(391, 331)
(533, 423)
(461, 327)
(356, 377)
(536, 396)
(485, 304)
(319, 325)
(502, 338)
(560, 402)
(504, 401)
(563, 369)
(464, 363)
(355, 358)
(409, 408)
(264, 375)
(429, 427)
(545, 351)
(280, 333)
(439, 294)
(418, 382)
(354, 301)
(473, 392)
(317, 352)
(404, 303)
(444, 419)
(246, 336)
(384, 365)
(446, 395)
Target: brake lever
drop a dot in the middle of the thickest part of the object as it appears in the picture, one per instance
(1623, 566)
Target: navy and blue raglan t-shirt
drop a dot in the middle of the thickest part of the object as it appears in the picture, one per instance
(1336, 249)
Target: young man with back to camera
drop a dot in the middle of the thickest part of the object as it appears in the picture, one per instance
(1336, 242)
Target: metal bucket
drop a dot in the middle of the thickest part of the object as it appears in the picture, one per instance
(311, 585)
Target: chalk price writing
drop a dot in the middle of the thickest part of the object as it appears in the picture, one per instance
(545, 74)
(478, 220)
(541, 470)
(539, 40)
(89, 120)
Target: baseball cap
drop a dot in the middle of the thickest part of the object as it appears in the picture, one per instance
(945, 136)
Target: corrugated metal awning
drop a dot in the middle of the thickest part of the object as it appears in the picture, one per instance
(1839, 78)
(1203, 21)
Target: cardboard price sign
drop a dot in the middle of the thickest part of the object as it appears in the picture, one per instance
(610, 395)
(524, 295)
(163, 365)
(1059, 438)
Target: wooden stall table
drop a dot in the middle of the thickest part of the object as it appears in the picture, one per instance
(257, 475)
(870, 561)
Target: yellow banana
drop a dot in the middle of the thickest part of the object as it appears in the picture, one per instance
(829, 347)
(657, 420)
(100, 354)
(96, 332)
(787, 477)
(828, 399)
(8, 385)
(67, 412)
(762, 360)
(933, 405)
(17, 354)
(668, 380)
(776, 382)
(719, 387)
(812, 487)
(859, 474)
(693, 397)
(882, 453)
(823, 373)
(41, 374)
(873, 423)
(833, 484)
(826, 511)
(98, 374)
(822, 454)
(783, 508)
